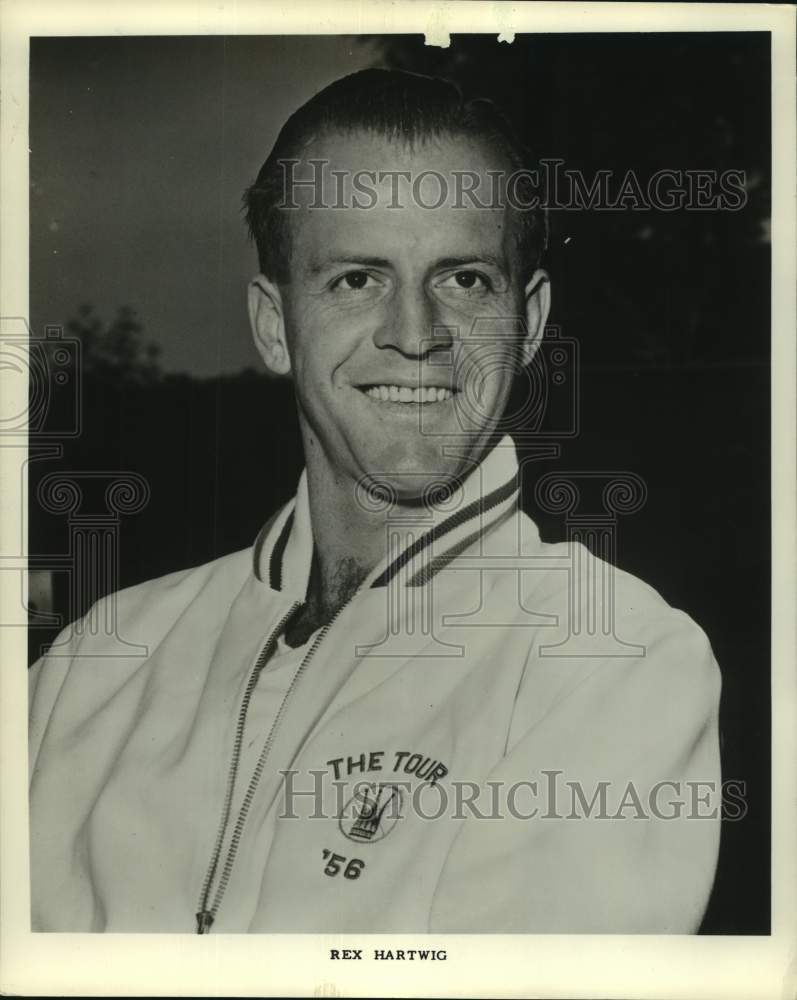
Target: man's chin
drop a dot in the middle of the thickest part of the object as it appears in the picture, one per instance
(423, 478)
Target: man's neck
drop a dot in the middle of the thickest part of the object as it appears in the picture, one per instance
(349, 542)
(326, 595)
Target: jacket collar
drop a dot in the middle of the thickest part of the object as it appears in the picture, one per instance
(432, 535)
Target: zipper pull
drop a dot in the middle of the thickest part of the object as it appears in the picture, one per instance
(204, 920)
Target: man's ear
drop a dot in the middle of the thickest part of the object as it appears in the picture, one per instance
(268, 324)
(538, 304)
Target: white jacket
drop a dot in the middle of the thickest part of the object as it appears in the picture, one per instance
(464, 668)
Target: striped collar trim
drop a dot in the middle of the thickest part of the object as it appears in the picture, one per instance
(474, 513)
(477, 507)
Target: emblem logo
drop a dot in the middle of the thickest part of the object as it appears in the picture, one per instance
(371, 813)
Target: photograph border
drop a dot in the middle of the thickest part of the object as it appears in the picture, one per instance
(475, 965)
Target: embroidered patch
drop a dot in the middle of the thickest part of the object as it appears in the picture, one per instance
(371, 813)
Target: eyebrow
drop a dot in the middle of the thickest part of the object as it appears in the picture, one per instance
(324, 265)
(471, 259)
(444, 262)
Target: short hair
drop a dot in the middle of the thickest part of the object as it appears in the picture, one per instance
(398, 105)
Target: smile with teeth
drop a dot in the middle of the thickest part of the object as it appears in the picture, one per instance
(403, 394)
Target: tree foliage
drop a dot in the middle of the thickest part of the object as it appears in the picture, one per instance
(116, 351)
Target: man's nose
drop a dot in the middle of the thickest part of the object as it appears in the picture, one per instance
(413, 325)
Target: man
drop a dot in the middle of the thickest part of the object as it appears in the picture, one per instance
(363, 722)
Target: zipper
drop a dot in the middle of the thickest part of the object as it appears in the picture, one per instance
(208, 910)
(205, 916)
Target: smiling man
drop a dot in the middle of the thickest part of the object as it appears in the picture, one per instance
(372, 720)
(371, 308)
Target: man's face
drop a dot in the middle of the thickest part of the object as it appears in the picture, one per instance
(401, 327)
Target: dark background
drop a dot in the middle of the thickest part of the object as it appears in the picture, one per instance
(140, 149)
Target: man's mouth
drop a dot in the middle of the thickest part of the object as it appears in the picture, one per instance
(404, 394)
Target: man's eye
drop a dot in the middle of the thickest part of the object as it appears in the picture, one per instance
(352, 281)
(467, 280)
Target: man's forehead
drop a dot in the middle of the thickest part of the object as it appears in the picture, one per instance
(358, 194)
(386, 239)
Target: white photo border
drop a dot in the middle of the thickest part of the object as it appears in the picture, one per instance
(476, 965)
